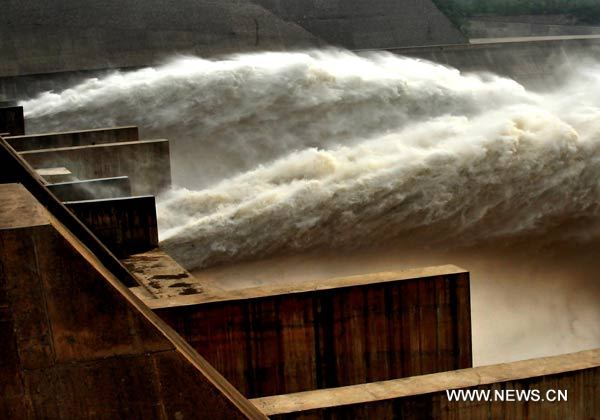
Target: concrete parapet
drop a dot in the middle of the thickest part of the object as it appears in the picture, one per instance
(125, 225)
(78, 344)
(344, 331)
(145, 162)
(12, 120)
(424, 397)
(92, 189)
(73, 138)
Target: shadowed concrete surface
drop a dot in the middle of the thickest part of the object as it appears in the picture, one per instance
(125, 225)
(78, 344)
(12, 121)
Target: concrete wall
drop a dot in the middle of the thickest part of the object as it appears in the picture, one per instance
(38, 36)
(146, 163)
(92, 189)
(358, 24)
(486, 28)
(424, 397)
(125, 225)
(73, 138)
(77, 344)
(536, 64)
(362, 329)
(12, 120)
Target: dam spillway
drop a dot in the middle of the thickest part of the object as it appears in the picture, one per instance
(320, 282)
(266, 318)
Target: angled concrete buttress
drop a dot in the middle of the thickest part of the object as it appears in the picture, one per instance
(76, 342)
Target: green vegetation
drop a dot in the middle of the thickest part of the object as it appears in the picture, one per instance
(585, 11)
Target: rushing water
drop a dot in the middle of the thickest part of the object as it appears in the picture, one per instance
(287, 153)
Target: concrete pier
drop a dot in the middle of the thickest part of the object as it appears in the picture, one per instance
(125, 225)
(78, 344)
(16, 170)
(343, 331)
(534, 62)
(145, 162)
(92, 189)
(73, 138)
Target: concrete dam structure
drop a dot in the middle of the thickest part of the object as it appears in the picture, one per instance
(52, 47)
(302, 232)
(94, 336)
(40, 38)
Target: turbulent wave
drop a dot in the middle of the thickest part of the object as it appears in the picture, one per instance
(452, 179)
(348, 150)
(290, 153)
(224, 117)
